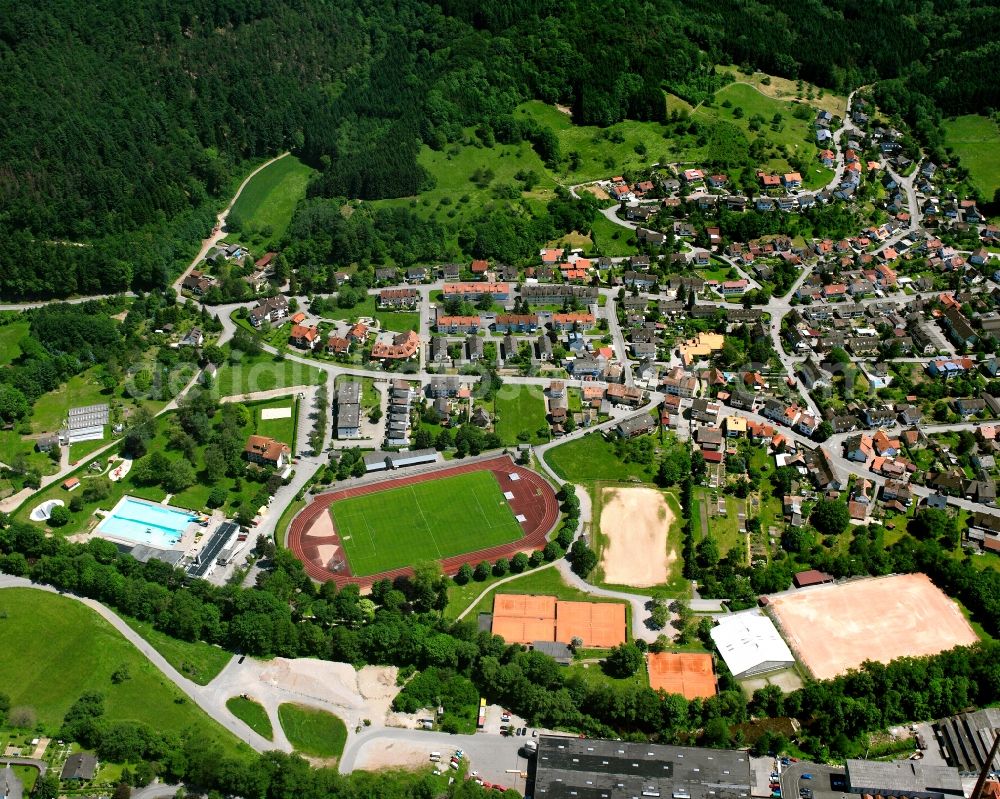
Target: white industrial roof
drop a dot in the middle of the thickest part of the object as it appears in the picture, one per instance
(748, 640)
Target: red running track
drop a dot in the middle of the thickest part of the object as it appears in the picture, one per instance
(533, 498)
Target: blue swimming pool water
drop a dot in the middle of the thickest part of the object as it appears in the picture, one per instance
(144, 523)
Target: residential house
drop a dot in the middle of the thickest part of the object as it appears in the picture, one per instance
(705, 410)
(267, 452)
(636, 426)
(515, 323)
(499, 292)
(879, 416)
(969, 406)
(403, 347)
(474, 348)
(950, 367)
(398, 298)
(303, 337)
(458, 324)
(271, 310)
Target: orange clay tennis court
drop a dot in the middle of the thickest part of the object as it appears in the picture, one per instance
(524, 619)
(689, 674)
(833, 628)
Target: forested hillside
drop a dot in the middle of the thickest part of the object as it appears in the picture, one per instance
(127, 122)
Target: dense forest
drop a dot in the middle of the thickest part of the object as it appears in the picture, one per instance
(126, 123)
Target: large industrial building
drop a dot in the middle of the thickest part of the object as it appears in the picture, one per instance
(909, 778)
(586, 768)
(750, 644)
(966, 739)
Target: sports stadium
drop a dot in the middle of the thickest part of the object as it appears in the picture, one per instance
(481, 510)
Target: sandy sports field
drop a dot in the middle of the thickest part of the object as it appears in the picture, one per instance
(636, 522)
(833, 628)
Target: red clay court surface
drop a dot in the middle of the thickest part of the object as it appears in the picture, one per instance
(689, 674)
(533, 498)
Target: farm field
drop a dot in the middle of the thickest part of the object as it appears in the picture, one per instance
(266, 205)
(427, 521)
(53, 649)
(313, 732)
(976, 139)
(785, 89)
(520, 413)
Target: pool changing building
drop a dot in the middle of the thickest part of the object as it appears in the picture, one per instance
(586, 768)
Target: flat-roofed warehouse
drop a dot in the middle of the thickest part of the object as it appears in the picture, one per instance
(909, 778)
(587, 768)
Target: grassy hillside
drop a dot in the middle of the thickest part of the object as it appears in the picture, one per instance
(976, 139)
(266, 204)
(53, 649)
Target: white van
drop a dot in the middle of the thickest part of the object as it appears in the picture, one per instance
(435, 757)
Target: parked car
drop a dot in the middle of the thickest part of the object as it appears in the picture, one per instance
(807, 776)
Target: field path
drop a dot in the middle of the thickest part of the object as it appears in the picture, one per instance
(219, 231)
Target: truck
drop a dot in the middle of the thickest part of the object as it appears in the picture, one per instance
(530, 748)
(482, 712)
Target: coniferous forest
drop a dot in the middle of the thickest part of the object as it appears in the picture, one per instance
(125, 124)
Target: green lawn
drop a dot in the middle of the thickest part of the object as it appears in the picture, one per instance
(252, 714)
(520, 414)
(313, 732)
(278, 429)
(600, 156)
(976, 139)
(610, 239)
(50, 409)
(10, 335)
(396, 321)
(81, 449)
(263, 373)
(796, 134)
(543, 580)
(591, 457)
(196, 660)
(467, 178)
(427, 521)
(266, 204)
(53, 649)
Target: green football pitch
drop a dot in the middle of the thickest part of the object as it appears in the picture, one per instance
(426, 521)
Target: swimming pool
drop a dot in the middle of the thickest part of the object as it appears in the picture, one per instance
(145, 523)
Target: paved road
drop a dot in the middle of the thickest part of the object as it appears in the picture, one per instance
(489, 754)
(41, 765)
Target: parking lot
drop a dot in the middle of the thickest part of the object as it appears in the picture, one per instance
(826, 782)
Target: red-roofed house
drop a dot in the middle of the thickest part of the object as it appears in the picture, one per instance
(305, 338)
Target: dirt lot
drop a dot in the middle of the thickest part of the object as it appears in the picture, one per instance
(833, 628)
(596, 190)
(635, 522)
